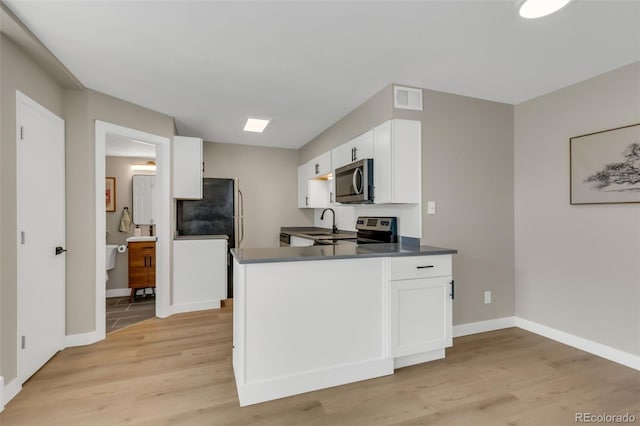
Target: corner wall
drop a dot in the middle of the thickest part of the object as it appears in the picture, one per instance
(17, 72)
(577, 267)
(467, 168)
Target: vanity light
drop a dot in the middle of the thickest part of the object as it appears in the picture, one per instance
(256, 125)
(531, 9)
(149, 167)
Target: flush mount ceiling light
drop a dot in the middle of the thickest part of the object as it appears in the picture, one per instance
(532, 9)
(256, 125)
(150, 166)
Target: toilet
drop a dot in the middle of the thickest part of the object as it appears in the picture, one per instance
(110, 261)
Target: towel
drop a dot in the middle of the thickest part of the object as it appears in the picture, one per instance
(125, 221)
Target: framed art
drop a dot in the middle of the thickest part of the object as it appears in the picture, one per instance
(605, 166)
(110, 194)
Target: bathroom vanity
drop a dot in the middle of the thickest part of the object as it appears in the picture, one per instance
(142, 264)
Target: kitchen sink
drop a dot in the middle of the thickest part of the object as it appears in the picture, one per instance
(316, 233)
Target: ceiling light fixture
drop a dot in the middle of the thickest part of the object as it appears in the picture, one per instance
(255, 125)
(532, 9)
(149, 167)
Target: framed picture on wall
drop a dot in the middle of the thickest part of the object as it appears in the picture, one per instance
(110, 194)
(605, 166)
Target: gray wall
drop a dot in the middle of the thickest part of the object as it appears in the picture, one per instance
(120, 168)
(577, 267)
(375, 110)
(467, 168)
(268, 179)
(82, 109)
(17, 72)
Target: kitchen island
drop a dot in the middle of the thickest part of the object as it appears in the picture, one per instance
(308, 318)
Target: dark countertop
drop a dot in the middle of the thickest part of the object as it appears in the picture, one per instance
(201, 237)
(330, 252)
(304, 232)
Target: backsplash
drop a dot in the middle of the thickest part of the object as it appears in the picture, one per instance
(409, 217)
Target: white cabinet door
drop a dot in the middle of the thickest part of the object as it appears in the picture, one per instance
(321, 166)
(300, 242)
(303, 186)
(397, 162)
(363, 146)
(143, 194)
(420, 315)
(187, 168)
(199, 272)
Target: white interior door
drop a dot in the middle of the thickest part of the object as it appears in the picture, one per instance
(41, 230)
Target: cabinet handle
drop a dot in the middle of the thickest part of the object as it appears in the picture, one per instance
(145, 261)
(148, 247)
(317, 168)
(352, 154)
(424, 267)
(453, 290)
(150, 261)
(306, 201)
(331, 197)
(355, 154)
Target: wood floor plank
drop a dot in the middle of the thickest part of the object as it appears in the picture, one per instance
(177, 371)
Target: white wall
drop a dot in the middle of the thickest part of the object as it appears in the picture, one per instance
(577, 267)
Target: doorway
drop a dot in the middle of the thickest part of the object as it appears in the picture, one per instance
(40, 178)
(161, 205)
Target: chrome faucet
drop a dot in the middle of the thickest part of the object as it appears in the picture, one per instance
(334, 229)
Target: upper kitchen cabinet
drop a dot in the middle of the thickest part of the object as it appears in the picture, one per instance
(397, 161)
(356, 149)
(314, 187)
(188, 168)
(321, 166)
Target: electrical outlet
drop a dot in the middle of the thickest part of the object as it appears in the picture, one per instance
(431, 207)
(487, 297)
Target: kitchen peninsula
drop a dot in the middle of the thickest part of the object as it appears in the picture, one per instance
(308, 318)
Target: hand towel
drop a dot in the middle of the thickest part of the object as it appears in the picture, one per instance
(125, 221)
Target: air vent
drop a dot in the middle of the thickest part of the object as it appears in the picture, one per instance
(407, 98)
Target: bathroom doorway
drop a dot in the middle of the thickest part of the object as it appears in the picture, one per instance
(130, 170)
(161, 203)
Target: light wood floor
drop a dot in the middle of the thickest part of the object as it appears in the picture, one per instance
(177, 371)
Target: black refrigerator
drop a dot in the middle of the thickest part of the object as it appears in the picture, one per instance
(219, 212)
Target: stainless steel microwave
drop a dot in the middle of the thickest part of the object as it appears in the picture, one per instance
(354, 182)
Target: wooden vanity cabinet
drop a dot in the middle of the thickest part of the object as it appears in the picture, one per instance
(142, 266)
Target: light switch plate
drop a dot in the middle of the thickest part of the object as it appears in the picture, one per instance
(487, 297)
(431, 207)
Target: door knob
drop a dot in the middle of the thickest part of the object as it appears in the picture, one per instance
(60, 250)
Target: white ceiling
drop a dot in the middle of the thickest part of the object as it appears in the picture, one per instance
(119, 146)
(306, 64)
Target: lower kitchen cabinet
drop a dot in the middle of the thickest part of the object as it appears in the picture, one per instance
(199, 274)
(420, 299)
(142, 266)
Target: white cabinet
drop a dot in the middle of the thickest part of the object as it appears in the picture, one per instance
(199, 274)
(314, 188)
(356, 149)
(420, 294)
(300, 242)
(397, 162)
(187, 167)
(320, 166)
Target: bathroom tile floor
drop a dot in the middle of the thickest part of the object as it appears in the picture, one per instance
(121, 313)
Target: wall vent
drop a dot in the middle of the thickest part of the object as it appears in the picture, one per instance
(407, 98)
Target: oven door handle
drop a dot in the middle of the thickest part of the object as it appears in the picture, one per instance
(357, 190)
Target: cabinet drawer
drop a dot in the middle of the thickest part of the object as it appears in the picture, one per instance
(406, 268)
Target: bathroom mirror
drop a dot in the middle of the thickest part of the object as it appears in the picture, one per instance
(143, 193)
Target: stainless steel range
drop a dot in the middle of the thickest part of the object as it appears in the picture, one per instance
(376, 230)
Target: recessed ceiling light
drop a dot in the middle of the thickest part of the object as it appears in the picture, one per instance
(531, 9)
(256, 125)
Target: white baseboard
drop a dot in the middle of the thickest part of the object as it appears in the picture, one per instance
(9, 391)
(82, 339)
(482, 326)
(407, 360)
(603, 351)
(196, 306)
(280, 387)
